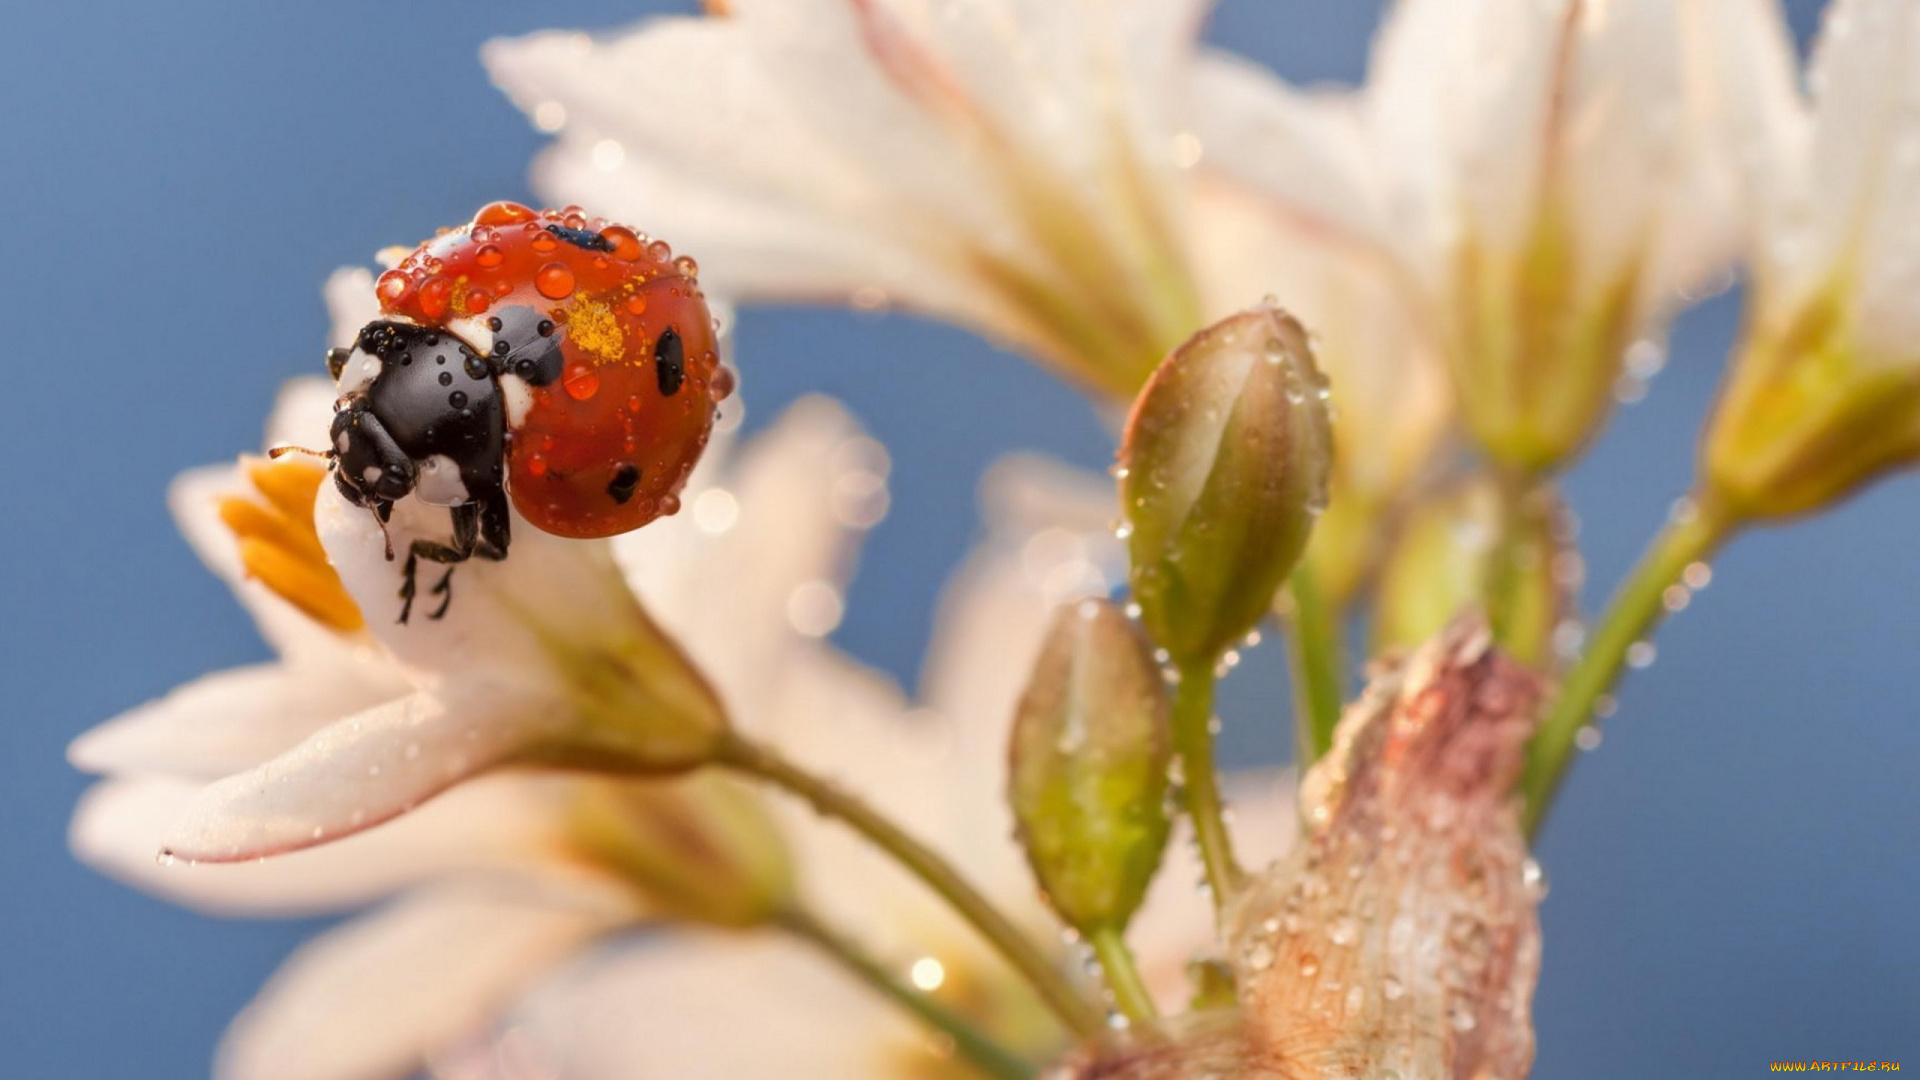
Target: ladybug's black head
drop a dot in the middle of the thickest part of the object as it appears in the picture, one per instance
(418, 414)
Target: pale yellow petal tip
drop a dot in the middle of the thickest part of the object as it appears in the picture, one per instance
(279, 547)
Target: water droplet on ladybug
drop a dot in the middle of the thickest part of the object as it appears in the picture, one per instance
(502, 213)
(537, 465)
(687, 266)
(634, 404)
(544, 241)
(669, 505)
(600, 262)
(554, 281)
(659, 251)
(623, 242)
(722, 384)
(637, 306)
(477, 302)
(392, 286)
(434, 297)
(581, 382)
(489, 257)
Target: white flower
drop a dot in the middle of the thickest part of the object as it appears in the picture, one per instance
(1012, 165)
(505, 875)
(1822, 397)
(1543, 179)
(711, 1007)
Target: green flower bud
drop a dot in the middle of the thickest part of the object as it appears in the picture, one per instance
(1222, 471)
(1441, 563)
(699, 848)
(1089, 756)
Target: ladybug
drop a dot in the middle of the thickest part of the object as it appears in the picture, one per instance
(561, 361)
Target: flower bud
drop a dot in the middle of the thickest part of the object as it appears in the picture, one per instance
(1809, 415)
(1400, 936)
(699, 848)
(1089, 757)
(1222, 471)
(1441, 564)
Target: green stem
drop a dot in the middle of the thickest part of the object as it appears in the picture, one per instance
(1123, 977)
(1193, 742)
(766, 764)
(969, 1042)
(1503, 570)
(1315, 656)
(1631, 614)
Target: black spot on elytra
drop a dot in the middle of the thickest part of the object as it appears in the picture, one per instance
(669, 362)
(626, 479)
(581, 238)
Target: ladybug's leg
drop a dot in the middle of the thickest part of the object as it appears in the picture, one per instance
(495, 526)
(466, 537)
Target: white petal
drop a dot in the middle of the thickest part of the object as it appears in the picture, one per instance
(718, 161)
(1747, 53)
(1009, 165)
(1866, 161)
(1307, 153)
(707, 1007)
(1458, 95)
(724, 574)
(232, 720)
(371, 1000)
(351, 303)
(504, 618)
(493, 824)
(357, 773)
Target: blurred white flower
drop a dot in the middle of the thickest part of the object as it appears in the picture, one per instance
(1545, 181)
(1824, 395)
(1015, 165)
(1028, 168)
(706, 1006)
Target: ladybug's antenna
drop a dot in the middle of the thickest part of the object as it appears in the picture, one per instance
(279, 452)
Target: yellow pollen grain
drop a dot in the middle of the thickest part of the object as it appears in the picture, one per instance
(592, 326)
(279, 546)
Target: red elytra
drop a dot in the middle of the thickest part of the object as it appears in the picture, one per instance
(616, 407)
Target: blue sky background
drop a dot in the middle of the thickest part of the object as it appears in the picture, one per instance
(1734, 871)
